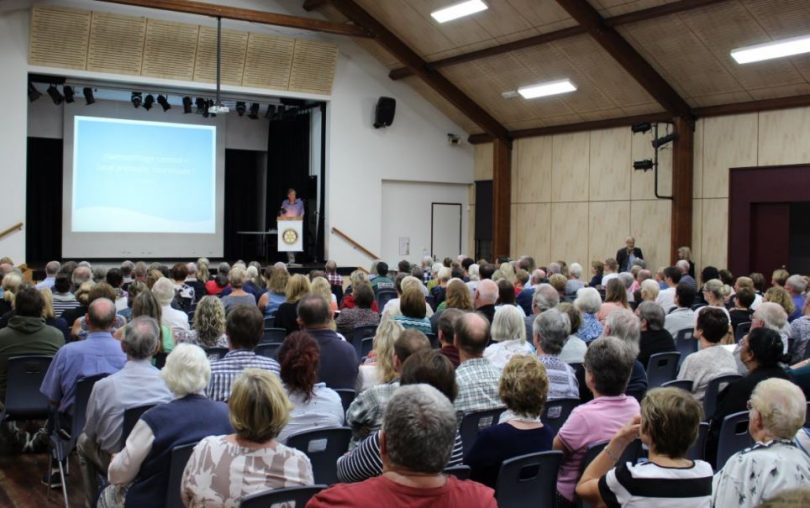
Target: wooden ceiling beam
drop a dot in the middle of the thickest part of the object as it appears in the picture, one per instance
(413, 61)
(249, 15)
(738, 108)
(627, 56)
(536, 40)
(311, 5)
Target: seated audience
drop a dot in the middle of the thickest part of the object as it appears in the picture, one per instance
(224, 469)
(438, 292)
(649, 291)
(379, 365)
(574, 349)
(51, 269)
(208, 328)
(800, 332)
(574, 282)
(314, 317)
(544, 297)
(287, 312)
(742, 312)
(381, 281)
(276, 279)
(219, 281)
(359, 315)
(136, 287)
(668, 426)
(524, 298)
(139, 474)
(26, 333)
(771, 315)
(116, 280)
(413, 310)
(654, 338)
(477, 378)
(416, 442)
(523, 388)
(589, 302)
(774, 464)
(78, 329)
(82, 295)
(666, 298)
(163, 290)
(506, 296)
(48, 315)
(313, 404)
(244, 328)
(237, 296)
(63, 299)
(194, 280)
(425, 366)
(365, 413)
(320, 286)
(551, 329)
(597, 272)
(682, 317)
(608, 364)
(796, 285)
(508, 336)
(355, 278)
(486, 294)
(446, 325)
(625, 325)
(711, 360)
(137, 384)
(11, 284)
(184, 294)
(146, 305)
(457, 296)
(99, 353)
(403, 281)
(611, 271)
(713, 296)
(761, 352)
(615, 299)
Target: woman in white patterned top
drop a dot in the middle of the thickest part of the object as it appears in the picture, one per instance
(509, 337)
(224, 469)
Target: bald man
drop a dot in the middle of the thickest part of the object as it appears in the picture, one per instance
(476, 377)
(486, 294)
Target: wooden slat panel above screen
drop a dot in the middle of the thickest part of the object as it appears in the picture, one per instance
(170, 50)
(116, 43)
(59, 37)
(268, 61)
(313, 68)
(234, 46)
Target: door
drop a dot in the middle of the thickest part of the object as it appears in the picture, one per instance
(445, 230)
(770, 237)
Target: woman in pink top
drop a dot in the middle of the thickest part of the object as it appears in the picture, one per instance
(615, 298)
(608, 364)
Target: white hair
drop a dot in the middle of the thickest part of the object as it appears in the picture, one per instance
(252, 272)
(682, 265)
(588, 300)
(488, 292)
(651, 288)
(797, 283)
(782, 406)
(444, 273)
(625, 325)
(187, 370)
(508, 324)
(436, 267)
(772, 314)
(575, 270)
(473, 272)
(163, 290)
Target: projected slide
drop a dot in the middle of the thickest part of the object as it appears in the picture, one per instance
(143, 177)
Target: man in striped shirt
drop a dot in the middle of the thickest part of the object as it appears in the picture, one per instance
(63, 299)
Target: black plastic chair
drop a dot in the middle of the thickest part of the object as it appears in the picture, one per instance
(160, 360)
(178, 461)
(215, 353)
(361, 332)
(557, 412)
(590, 454)
(662, 367)
(472, 423)
(434, 340)
(698, 449)
(347, 396)
(683, 384)
(529, 481)
(460, 471)
(273, 335)
(742, 330)
(131, 417)
(269, 322)
(291, 496)
(323, 447)
(685, 342)
(270, 350)
(24, 401)
(698, 306)
(366, 345)
(734, 437)
(712, 390)
(384, 296)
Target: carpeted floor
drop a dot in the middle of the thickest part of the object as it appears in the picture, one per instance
(21, 487)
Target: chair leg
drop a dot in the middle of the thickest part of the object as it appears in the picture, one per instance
(64, 485)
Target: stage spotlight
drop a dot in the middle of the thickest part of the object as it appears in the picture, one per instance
(88, 95)
(241, 108)
(208, 105)
(136, 99)
(164, 103)
(148, 102)
(641, 127)
(643, 165)
(254, 111)
(658, 143)
(68, 91)
(33, 93)
(186, 105)
(271, 111)
(200, 103)
(56, 97)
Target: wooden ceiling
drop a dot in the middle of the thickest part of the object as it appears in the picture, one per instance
(686, 42)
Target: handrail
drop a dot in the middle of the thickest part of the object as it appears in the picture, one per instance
(354, 243)
(8, 231)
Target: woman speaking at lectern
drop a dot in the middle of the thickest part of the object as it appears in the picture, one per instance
(291, 208)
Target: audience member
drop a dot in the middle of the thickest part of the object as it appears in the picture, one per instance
(682, 317)
(486, 294)
(796, 285)
(209, 324)
(356, 278)
(574, 282)
(648, 291)
(508, 336)
(523, 388)
(63, 299)
(413, 310)
(276, 280)
(615, 299)
(772, 316)
(48, 314)
(446, 325)
(742, 312)
(320, 286)
(713, 296)
(800, 332)
(341, 369)
(545, 297)
(624, 325)
(237, 296)
(477, 378)
(381, 281)
(163, 290)
(574, 349)
(666, 298)
(779, 277)
(524, 298)
(287, 313)
(415, 444)
(359, 315)
(550, 330)
(589, 302)
(78, 327)
(687, 276)
(379, 365)
(774, 464)
(611, 271)
(710, 360)
(51, 269)
(597, 272)
(195, 281)
(11, 284)
(685, 253)
(654, 338)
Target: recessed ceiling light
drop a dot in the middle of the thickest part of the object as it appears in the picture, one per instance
(770, 50)
(546, 89)
(458, 10)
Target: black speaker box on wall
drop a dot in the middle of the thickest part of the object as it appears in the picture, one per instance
(384, 114)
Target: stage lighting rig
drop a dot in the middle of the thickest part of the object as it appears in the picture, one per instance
(241, 108)
(186, 105)
(88, 95)
(33, 93)
(148, 102)
(164, 103)
(254, 111)
(67, 90)
(56, 97)
(137, 99)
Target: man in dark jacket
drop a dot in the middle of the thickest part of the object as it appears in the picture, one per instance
(630, 253)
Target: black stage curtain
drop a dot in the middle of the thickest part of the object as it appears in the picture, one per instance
(43, 213)
(243, 170)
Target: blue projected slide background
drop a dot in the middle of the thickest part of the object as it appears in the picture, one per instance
(143, 177)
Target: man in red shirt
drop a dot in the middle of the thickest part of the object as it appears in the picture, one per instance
(415, 444)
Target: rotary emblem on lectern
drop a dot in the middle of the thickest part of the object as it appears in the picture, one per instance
(289, 236)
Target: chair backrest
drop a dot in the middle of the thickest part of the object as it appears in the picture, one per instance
(131, 417)
(366, 345)
(662, 367)
(460, 471)
(347, 396)
(698, 305)
(472, 423)
(83, 389)
(361, 332)
(734, 437)
(23, 398)
(269, 322)
(714, 387)
(384, 296)
(434, 340)
(685, 342)
(683, 384)
(215, 353)
(296, 497)
(160, 359)
(590, 454)
(557, 412)
(273, 335)
(529, 480)
(698, 449)
(178, 461)
(270, 350)
(742, 330)
(323, 447)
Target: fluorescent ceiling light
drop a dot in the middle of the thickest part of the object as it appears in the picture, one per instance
(546, 89)
(769, 50)
(458, 10)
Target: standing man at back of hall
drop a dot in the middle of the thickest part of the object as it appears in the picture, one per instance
(626, 256)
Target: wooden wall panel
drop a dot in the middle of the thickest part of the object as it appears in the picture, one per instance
(268, 61)
(234, 46)
(313, 67)
(170, 50)
(116, 43)
(59, 37)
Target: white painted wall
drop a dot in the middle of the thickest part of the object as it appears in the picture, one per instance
(358, 157)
